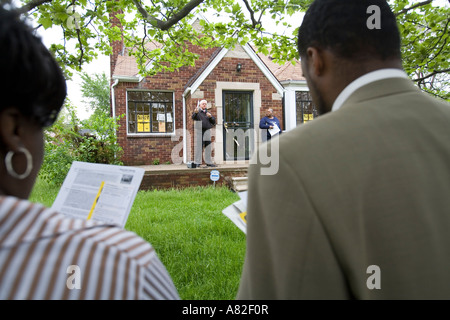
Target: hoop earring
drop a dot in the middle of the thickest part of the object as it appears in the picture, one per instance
(9, 166)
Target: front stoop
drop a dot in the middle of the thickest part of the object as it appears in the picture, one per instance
(239, 184)
(179, 177)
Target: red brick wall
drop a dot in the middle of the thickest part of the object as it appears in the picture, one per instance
(225, 71)
(142, 150)
(187, 178)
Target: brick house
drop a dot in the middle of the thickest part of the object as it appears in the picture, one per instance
(239, 85)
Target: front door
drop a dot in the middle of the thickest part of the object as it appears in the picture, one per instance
(238, 130)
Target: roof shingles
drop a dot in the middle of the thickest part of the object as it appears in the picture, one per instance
(126, 66)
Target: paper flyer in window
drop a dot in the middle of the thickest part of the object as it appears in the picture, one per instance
(237, 212)
(100, 192)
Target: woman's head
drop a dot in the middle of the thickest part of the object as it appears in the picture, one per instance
(32, 92)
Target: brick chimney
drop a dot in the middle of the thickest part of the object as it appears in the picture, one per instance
(117, 49)
(117, 46)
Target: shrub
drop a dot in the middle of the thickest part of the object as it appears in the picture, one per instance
(65, 142)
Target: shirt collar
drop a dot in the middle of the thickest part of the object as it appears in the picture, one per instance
(366, 79)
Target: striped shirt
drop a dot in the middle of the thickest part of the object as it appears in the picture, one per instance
(46, 255)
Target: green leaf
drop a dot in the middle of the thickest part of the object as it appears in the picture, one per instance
(46, 22)
(236, 8)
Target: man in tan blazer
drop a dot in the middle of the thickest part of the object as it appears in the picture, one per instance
(360, 205)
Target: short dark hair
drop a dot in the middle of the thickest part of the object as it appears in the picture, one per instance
(341, 27)
(32, 81)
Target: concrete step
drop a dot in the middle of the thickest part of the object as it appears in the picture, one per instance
(239, 184)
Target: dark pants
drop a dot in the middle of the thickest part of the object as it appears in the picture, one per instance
(204, 141)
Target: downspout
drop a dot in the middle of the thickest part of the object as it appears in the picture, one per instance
(113, 106)
(117, 79)
(113, 99)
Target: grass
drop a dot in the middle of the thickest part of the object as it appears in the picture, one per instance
(44, 193)
(201, 248)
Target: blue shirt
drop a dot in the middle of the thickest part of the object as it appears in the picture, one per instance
(266, 122)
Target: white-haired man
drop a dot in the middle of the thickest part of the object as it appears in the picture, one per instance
(208, 121)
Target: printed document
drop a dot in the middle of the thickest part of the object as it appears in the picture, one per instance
(237, 212)
(100, 192)
(274, 130)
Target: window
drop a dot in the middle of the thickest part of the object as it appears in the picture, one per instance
(306, 111)
(150, 112)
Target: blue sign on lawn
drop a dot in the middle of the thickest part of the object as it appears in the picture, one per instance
(214, 175)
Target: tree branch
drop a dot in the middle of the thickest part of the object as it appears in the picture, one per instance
(440, 38)
(31, 5)
(434, 94)
(432, 74)
(252, 13)
(165, 25)
(413, 7)
(80, 60)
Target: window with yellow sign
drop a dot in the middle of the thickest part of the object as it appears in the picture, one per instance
(150, 112)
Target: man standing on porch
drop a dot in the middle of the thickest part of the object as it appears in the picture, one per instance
(204, 120)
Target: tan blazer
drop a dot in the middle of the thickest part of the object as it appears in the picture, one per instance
(360, 205)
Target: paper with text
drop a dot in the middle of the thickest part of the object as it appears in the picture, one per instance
(100, 192)
(237, 212)
(274, 130)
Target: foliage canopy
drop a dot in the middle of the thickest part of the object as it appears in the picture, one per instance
(87, 31)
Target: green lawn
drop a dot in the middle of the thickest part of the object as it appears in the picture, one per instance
(200, 247)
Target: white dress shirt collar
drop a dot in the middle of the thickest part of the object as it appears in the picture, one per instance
(366, 79)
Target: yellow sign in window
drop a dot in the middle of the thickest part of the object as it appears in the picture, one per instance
(308, 117)
(143, 123)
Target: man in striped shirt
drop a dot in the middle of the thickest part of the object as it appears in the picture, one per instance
(44, 254)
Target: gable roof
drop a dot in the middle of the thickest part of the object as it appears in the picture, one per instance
(285, 72)
(209, 67)
(203, 68)
(126, 68)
